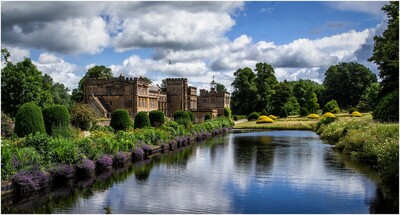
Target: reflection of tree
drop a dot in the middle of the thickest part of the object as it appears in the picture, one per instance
(264, 156)
(386, 201)
(142, 170)
(178, 158)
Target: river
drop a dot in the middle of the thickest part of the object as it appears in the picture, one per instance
(241, 172)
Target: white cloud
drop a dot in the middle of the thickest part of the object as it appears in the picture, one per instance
(61, 71)
(17, 54)
(370, 7)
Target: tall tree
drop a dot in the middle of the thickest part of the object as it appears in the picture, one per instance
(347, 82)
(265, 82)
(21, 83)
(311, 105)
(244, 93)
(283, 92)
(99, 72)
(386, 56)
(386, 50)
(220, 88)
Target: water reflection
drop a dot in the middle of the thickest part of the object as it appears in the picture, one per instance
(256, 172)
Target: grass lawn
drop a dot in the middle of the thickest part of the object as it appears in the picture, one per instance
(281, 124)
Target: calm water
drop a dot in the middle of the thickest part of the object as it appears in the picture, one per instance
(245, 172)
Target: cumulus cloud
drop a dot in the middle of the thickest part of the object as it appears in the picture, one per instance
(60, 70)
(17, 54)
(370, 7)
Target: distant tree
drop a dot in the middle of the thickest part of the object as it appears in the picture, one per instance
(82, 116)
(347, 82)
(283, 93)
(244, 93)
(5, 54)
(99, 72)
(22, 83)
(163, 84)
(265, 82)
(312, 105)
(220, 88)
(292, 106)
(148, 80)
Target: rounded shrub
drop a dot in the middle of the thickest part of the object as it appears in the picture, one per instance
(283, 113)
(313, 116)
(191, 116)
(356, 114)
(83, 116)
(55, 116)
(156, 118)
(182, 117)
(28, 120)
(253, 116)
(207, 117)
(120, 120)
(328, 115)
(227, 112)
(332, 106)
(303, 111)
(272, 117)
(387, 109)
(141, 120)
(264, 119)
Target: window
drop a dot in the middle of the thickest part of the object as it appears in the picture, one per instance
(110, 103)
(128, 104)
(109, 90)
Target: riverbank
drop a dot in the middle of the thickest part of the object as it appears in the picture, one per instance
(279, 125)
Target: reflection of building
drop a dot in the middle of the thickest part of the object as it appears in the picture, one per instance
(134, 95)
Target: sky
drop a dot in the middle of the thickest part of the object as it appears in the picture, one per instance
(202, 39)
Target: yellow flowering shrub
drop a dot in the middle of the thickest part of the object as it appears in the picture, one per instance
(313, 116)
(264, 119)
(273, 117)
(356, 114)
(328, 114)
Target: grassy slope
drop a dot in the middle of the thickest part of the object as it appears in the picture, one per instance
(279, 124)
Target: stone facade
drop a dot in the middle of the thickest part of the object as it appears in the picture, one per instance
(135, 95)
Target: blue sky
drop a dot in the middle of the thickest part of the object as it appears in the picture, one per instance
(201, 39)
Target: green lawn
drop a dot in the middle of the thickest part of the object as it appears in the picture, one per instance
(281, 124)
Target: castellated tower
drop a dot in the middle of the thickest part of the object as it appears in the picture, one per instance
(177, 95)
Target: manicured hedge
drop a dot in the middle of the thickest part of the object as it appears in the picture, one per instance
(253, 116)
(191, 116)
(182, 117)
(120, 120)
(141, 120)
(28, 120)
(55, 116)
(156, 118)
(264, 119)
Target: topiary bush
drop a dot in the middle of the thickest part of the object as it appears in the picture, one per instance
(120, 120)
(141, 120)
(182, 117)
(332, 106)
(283, 113)
(387, 109)
(264, 119)
(156, 118)
(313, 116)
(83, 116)
(272, 117)
(55, 116)
(253, 116)
(303, 111)
(191, 116)
(356, 114)
(29, 119)
(227, 112)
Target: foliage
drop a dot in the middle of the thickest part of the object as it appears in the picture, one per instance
(371, 96)
(352, 109)
(328, 114)
(265, 82)
(82, 116)
(283, 113)
(28, 120)
(283, 92)
(182, 118)
(24, 182)
(386, 110)
(347, 82)
(85, 167)
(292, 106)
(191, 115)
(356, 114)
(22, 83)
(253, 116)
(273, 117)
(264, 119)
(312, 102)
(386, 52)
(220, 88)
(332, 106)
(303, 111)
(120, 158)
(42, 143)
(7, 126)
(207, 117)
(244, 93)
(64, 151)
(60, 95)
(141, 120)
(279, 125)
(137, 154)
(239, 117)
(55, 116)
(120, 120)
(104, 162)
(64, 171)
(157, 118)
(227, 112)
(264, 112)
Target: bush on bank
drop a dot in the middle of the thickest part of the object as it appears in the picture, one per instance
(376, 144)
(40, 151)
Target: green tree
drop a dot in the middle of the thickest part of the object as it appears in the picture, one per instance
(220, 88)
(83, 116)
(283, 92)
(99, 72)
(292, 106)
(312, 105)
(29, 120)
(22, 83)
(244, 93)
(386, 50)
(5, 54)
(347, 82)
(265, 82)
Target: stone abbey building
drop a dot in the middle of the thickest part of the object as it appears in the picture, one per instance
(135, 95)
